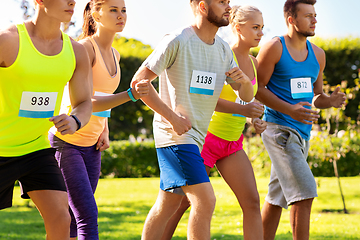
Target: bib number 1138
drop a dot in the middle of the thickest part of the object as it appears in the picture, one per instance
(202, 82)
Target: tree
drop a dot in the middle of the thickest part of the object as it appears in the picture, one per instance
(130, 119)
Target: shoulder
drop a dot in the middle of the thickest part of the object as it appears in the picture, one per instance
(271, 50)
(179, 37)
(9, 36)
(117, 54)
(9, 45)
(86, 42)
(254, 61)
(273, 46)
(79, 50)
(319, 52)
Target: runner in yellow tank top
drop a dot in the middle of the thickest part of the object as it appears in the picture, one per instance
(79, 154)
(36, 61)
(223, 143)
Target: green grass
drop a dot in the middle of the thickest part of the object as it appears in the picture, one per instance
(124, 204)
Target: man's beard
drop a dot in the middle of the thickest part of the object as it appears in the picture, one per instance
(306, 33)
(217, 21)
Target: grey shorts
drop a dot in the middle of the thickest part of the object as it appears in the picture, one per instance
(291, 179)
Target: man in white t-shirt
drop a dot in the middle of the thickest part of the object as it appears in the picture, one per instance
(192, 64)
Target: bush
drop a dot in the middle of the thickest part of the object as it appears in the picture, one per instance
(343, 148)
(130, 159)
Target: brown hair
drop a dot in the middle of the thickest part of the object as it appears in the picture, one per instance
(89, 25)
(290, 7)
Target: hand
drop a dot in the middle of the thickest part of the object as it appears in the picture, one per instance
(180, 125)
(337, 98)
(141, 89)
(64, 124)
(302, 114)
(259, 125)
(253, 110)
(237, 75)
(103, 142)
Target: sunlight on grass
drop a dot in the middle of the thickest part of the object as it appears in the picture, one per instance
(125, 203)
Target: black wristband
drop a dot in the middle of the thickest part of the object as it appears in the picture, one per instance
(77, 121)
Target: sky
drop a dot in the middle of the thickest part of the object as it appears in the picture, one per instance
(149, 20)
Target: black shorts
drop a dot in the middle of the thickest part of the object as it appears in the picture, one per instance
(35, 171)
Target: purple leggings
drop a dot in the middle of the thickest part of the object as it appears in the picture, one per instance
(80, 167)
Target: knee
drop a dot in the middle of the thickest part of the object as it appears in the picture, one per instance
(207, 202)
(251, 203)
(60, 217)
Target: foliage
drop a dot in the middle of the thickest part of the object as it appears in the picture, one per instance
(343, 148)
(129, 47)
(130, 119)
(129, 159)
(342, 64)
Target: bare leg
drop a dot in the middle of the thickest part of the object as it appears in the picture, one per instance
(237, 171)
(300, 219)
(270, 218)
(163, 209)
(54, 209)
(202, 200)
(174, 220)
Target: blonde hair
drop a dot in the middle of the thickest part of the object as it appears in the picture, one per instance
(241, 14)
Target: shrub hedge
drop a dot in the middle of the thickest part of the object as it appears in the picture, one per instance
(138, 159)
(129, 159)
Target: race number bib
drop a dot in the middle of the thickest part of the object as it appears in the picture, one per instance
(105, 113)
(301, 88)
(239, 101)
(37, 104)
(203, 82)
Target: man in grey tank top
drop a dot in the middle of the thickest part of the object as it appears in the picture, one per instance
(290, 76)
(192, 64)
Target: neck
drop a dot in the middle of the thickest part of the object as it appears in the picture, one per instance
(205, 30)
(104, 38)
(295, 39)
(44, 27)
(241, 49)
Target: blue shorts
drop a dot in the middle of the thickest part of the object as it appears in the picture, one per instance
(180, 165)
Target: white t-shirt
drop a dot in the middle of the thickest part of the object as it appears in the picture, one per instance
(191, 77)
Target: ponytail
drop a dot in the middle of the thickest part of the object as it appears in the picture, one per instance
(89, 25)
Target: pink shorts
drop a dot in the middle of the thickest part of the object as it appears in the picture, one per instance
(216, 148)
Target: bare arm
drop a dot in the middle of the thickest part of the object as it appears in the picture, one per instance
(102, 103)
(267, 58)
(242, 84)
(103, 142)
(9, 46)
(179, 123)
(251, 110)
(80, 89)
(337, 98)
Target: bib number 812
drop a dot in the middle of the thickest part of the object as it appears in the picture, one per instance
(302, 85)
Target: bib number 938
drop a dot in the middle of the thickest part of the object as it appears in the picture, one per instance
(37, 104)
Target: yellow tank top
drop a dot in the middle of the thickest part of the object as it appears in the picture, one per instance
(226, 125)
(103, 83)
(30, 93)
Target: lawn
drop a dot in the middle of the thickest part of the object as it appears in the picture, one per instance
(124, 204)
